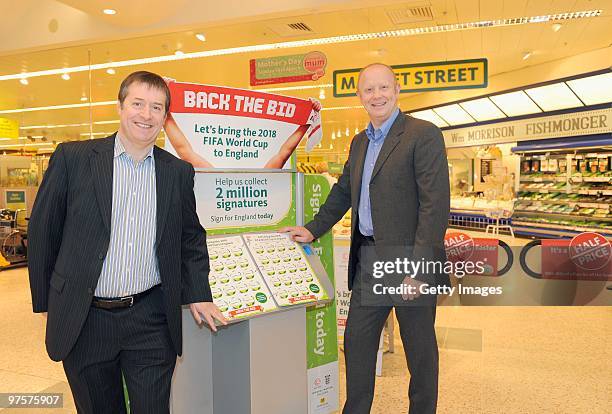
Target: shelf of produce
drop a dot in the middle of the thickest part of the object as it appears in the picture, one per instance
(559, 216)
(543, 230)
(579, 179)
(543, 179)
(568, 202)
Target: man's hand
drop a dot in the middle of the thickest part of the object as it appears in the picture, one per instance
(209, 311)
(412, 288)
(298, 233)
(316, 105)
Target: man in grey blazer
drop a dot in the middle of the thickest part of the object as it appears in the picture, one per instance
(115, 249)
(396, 182)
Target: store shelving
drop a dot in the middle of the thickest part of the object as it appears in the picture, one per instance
(564, 194)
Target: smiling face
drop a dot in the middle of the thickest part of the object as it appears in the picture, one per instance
(378, 91)
(142, 115)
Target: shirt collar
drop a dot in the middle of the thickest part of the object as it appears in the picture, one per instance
(120, 149)
(381, 133)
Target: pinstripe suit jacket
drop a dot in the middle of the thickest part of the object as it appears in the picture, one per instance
(69, 235)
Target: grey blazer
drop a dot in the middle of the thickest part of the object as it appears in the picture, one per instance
(409, 194)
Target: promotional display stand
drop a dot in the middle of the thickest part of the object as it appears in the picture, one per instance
(279, 353)
(258, 365)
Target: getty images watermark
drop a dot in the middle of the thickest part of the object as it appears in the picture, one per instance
(403, 267)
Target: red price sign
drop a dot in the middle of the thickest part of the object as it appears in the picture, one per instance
(588, 256)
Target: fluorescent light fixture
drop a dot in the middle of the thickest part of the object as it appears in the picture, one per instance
(556, 27)
(318, 42)
(103, 103)
(482, 109)
(114, 121)
(553, 97)
(333, 135)
(53, 107)
(201, 37)
(110, 71)
(67, 125)
(593, 90)
(95, 134)
(295, 88)
(24, 81)
(109, 12)
(83, 98)
(515, 103)
(65, 76)
(25, 144)
(337, 108)
(6, 139)
(453, 114)
(526, 55)
(431, 116)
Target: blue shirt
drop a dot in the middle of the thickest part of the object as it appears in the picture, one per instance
(131, 265)
(376, 138)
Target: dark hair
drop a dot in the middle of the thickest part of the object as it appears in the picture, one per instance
(150, 79)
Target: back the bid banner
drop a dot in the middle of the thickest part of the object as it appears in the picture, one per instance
(220, 127)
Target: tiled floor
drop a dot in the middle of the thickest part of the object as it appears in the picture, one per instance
(492, 359)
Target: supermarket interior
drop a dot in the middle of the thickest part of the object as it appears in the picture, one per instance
(520, 89)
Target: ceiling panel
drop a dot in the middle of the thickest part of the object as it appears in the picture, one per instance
(502, 46)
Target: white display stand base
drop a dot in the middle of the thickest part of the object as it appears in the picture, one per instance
(256, 366)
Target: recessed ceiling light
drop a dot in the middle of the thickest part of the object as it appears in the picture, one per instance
(526, 55)
(65, 76)
(109, 12)
(24, 81)
(556, 27)
(110, 71)
(201, 37)
(179, 53)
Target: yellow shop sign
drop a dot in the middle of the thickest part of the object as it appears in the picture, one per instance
(421, 77)
(9, 128)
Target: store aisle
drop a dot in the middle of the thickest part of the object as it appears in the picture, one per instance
(492, 359)
(24, 364)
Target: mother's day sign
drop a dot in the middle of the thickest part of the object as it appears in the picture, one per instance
(220, 127)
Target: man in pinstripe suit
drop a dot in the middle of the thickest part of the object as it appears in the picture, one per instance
(116, 248)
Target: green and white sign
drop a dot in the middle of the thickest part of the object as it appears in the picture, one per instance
(322, 357)
(235, 202)
(15, 199)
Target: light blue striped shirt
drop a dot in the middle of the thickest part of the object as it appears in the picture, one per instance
(131, 265)
(377, 139)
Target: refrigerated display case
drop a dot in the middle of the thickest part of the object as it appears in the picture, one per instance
(563, 192)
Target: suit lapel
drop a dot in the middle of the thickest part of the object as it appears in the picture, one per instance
(360, 148)
(391, 141)
(164, 182)
(101, 162)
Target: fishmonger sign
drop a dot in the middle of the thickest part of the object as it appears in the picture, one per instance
(221, 127)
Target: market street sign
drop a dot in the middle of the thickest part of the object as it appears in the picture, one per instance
(421, 77)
